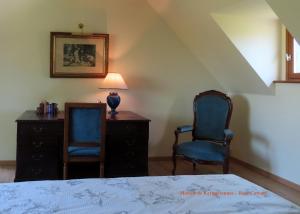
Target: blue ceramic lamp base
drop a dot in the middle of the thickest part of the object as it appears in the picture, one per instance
(113, 101)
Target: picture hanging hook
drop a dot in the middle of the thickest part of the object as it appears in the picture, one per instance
(81, 26)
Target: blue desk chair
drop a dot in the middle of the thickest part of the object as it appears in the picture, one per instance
(211, 136)
(84, 134)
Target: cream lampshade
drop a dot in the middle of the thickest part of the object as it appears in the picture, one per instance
(113, 81)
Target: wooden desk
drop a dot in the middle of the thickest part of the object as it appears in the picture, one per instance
(40, 146)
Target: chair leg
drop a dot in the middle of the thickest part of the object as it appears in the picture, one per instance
(65, 176)
(194, 166)
(101, 172)
(226, 167)
(174, 164)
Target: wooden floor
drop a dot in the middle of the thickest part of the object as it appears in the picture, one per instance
(164, 167)
(7, 174)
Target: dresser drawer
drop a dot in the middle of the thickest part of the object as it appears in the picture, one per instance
(121, 143)
(135, 155)
(126, 169)
(40, 128)
(36, 143)
(37, 171)
(127, 128)
(31, 157)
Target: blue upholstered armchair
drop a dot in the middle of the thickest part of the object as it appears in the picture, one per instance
(211, 136)
(84, 135)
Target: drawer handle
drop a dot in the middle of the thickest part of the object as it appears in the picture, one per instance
(130, 154)
(130, 127)
(37, 157)
(38, 129)
(38, 145)
(130, 142)
(130, 166)
(36, 171)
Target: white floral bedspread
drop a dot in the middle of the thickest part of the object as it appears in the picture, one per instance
(166, 194)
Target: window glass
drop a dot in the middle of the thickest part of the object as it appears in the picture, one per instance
(296, 57)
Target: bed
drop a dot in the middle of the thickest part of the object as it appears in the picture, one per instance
(162, 194)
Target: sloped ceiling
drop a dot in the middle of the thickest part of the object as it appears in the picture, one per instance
(288, 12)
(254, 29)
(194, 24)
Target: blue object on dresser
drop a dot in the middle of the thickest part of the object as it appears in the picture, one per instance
(113, 101)
(211, 136)
(113, 81)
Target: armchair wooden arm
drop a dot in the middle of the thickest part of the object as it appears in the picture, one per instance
(228, 136)
(180, 130)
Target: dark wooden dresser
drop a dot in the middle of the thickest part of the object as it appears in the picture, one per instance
(40, 146)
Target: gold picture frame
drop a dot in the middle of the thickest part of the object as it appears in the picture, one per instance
(78, 56)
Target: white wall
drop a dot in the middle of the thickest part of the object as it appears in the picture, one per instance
(267, 127)
(254, 29)
(267, 130)
(161, 73)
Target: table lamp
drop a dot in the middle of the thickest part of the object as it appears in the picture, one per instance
(113, 81)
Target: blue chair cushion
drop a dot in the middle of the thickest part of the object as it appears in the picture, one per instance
(201, 150)
(83, 151)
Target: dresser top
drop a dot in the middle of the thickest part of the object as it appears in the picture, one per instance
(31, 115)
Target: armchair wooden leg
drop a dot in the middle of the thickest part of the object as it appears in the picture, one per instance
(226, 167)
(174, 164)
(65, 176)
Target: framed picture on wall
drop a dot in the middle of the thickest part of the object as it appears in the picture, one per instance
(81, 56)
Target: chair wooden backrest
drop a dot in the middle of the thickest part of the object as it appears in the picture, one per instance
(84, 126)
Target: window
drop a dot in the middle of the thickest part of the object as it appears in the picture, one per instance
(292, 58)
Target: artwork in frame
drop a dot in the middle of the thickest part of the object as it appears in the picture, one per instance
(78, 56)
